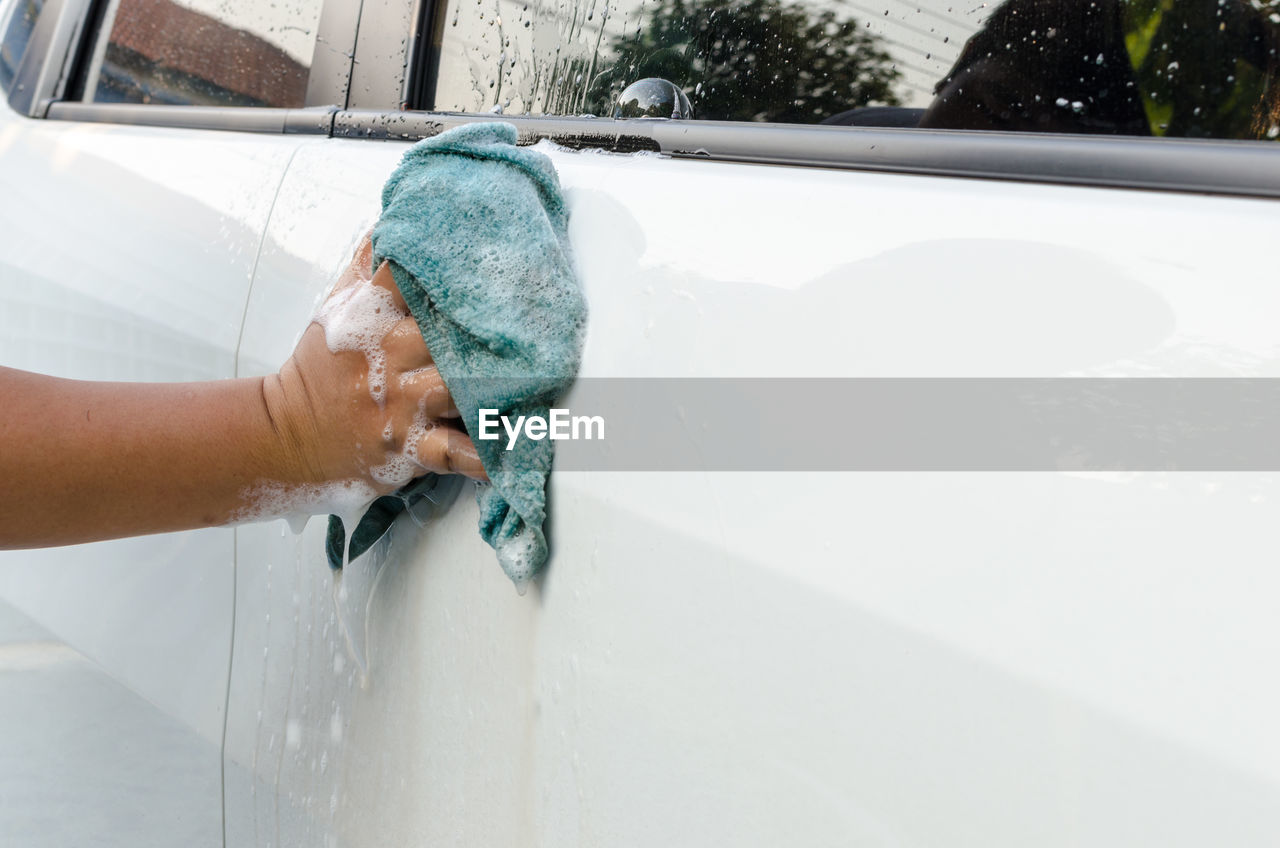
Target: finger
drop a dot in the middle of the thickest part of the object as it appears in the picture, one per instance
(405, 347)
(384, 279)
(446, 450)
(360, 266)
(425, 387)
(362, 259)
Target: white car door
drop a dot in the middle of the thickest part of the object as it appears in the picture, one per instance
(924, 657)
(722, 654)
(126, 253)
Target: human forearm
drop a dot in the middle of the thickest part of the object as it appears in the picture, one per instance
(82, 461)
(340, 423)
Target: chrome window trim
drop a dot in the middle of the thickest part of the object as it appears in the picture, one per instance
(312, 121)
(42, 74)
(1238, 168)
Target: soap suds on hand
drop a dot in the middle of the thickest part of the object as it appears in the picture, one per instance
(355, 318)
(359, 318)
(296, 504)
(402, 467)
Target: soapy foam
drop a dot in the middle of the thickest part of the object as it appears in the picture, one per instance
(407, 378)
(551, 149)
(403, 466)
(348, 499)
(359, 318)
(355, 318)
(515, 555)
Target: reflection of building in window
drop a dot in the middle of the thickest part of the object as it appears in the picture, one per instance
(160, 52)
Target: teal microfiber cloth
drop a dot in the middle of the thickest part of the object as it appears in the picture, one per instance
(476, 232)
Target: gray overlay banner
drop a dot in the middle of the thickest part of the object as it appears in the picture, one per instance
(1058, 424)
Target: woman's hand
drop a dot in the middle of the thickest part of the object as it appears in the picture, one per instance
(348, 417)
(361, 398)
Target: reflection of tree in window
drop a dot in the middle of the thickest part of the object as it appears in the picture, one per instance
(1206, 68)
(1190, 68)
(160, 52)
(753, 60)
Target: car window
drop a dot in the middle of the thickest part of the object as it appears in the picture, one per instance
(204, 52)
(1190, 68)
(22, 21)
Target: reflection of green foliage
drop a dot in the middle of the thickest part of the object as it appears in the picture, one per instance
(753, 60)
(1204, 69)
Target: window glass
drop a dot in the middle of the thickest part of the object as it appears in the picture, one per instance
(16, 35)
(205, 52)
(1185, 68)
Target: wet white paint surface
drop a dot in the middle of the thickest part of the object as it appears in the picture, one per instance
(929, 659)
(972, 659)
(86, 761)
(126, 253)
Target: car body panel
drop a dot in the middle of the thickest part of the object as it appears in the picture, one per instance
(139, 269)
(926, 658)
(712, 657)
